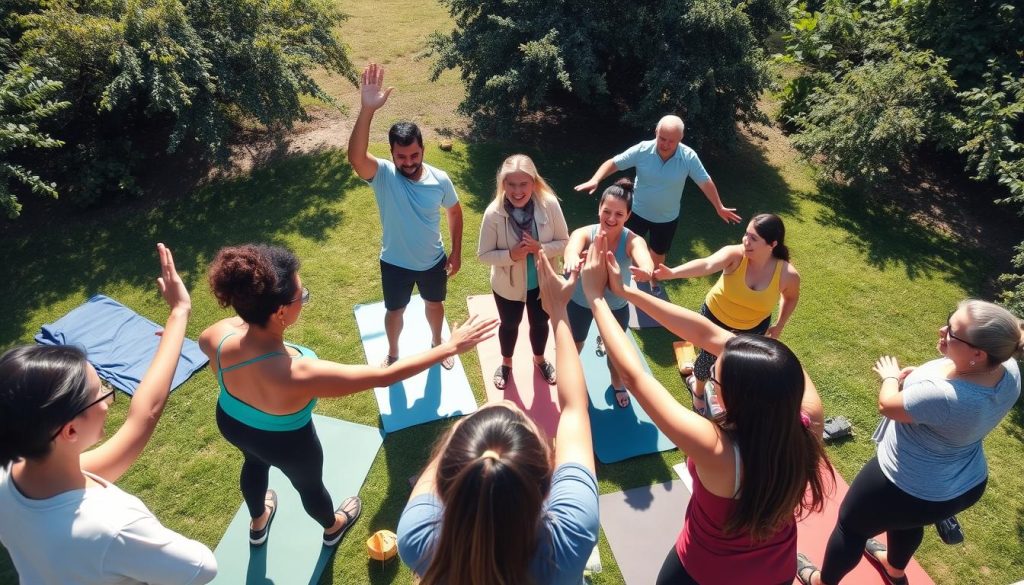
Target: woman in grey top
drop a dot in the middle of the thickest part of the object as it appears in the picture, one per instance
(930, 463)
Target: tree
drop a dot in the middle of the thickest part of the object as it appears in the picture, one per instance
(145, 75)
(25, 99)
(698, 58)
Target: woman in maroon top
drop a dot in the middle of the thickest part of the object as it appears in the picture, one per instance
(751, 465)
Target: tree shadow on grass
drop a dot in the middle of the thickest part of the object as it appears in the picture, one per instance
(48, 263)
(883, 233)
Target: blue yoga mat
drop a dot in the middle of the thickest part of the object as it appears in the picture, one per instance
(428, 396)
(619, 433)
(294, 551)
(118, 342)
(637, 318)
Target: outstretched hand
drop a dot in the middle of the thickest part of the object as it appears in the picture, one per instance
(663, 273)
(887, 367)
(595, 271)
(466, 336)
(639, 274)
(728, 214)
(555, 290)
(614, 273)
(372, 94)
(590, 186)
(172, 289)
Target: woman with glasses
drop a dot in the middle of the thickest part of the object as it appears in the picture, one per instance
(751, 465)
(268, 388)
(62, 519)
(930, 463)
(756, 276)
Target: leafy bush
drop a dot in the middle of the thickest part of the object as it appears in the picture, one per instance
(151, 75)
(26, 98)
(699, 58)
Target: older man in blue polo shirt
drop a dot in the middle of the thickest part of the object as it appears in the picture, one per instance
(410, 195)
(662, 166)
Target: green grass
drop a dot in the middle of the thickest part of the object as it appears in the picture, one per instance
(873, 283)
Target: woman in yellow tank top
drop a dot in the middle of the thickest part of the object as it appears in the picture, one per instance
(755, 275)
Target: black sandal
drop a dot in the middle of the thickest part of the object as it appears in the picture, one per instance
(804, 564)
(332, 539)
(548, 371)
(501, 376)
(871, 548)
(616, 392)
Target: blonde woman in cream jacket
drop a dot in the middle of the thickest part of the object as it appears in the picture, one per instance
(524, 218)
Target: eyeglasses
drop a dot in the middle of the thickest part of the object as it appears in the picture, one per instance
(109, 398)
(949, 332)
(304, 297)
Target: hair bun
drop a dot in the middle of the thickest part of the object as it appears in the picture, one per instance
(626, 183)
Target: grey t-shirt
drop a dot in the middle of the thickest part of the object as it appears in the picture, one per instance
(939, 456)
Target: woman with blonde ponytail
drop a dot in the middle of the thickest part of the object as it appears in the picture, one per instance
(496, 504)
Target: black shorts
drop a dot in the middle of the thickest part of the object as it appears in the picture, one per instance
(581, 317)
(657, 235)
(397, 283)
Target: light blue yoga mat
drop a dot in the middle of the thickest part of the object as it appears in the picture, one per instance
(294, 551)
(428, 396)
(118, 342)
(619, 433)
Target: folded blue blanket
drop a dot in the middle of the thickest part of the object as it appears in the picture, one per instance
(118, 342)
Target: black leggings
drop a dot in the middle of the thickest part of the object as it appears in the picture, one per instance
(296, 453)
(511, 313)
(875, 505)
(674, 573)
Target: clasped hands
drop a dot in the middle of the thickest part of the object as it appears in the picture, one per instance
(598, 269)
(525, 247)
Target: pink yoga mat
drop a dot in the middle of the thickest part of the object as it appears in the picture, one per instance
(812, 537)
(526, 386)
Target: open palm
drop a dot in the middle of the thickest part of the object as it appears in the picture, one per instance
(371, 88)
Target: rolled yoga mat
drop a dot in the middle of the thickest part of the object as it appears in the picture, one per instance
(428, 396)
(294, 551)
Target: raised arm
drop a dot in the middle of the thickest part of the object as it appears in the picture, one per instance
(692, 433)
(728, 214)
(372, 97)
(455, 231)
(573, 441)
(790, 296)
(111, 459)
(323, 378)
(724, 259)
(607, 167)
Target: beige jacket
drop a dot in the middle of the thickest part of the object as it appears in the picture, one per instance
(508, 277)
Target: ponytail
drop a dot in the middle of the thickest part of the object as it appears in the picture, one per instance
(771, 229)
(492, 479)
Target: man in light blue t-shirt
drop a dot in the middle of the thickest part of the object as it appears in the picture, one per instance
(410, 195)
(662, 166)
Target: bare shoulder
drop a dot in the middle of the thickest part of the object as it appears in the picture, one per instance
(212, 335)
(790, 276)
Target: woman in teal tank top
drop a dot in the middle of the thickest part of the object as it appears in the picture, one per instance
(614, 209)
(268, 388)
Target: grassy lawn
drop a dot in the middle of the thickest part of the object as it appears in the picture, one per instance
(873, 283)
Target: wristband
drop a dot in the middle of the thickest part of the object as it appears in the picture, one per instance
(890, 378)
